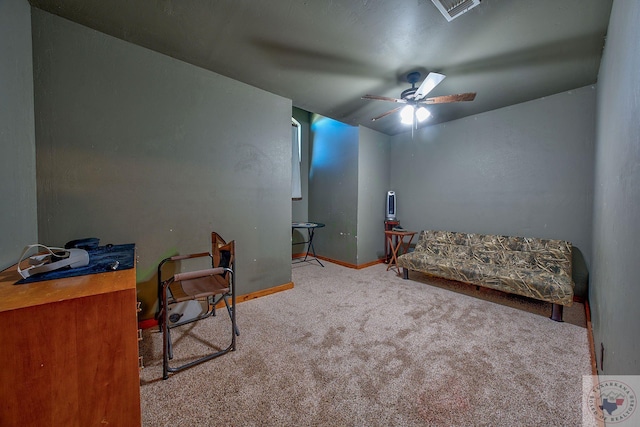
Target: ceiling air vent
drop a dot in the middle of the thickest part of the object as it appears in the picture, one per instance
(451, 9)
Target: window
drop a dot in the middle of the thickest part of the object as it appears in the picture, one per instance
(296, 158)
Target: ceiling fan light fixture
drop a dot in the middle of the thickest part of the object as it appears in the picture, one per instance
(414, 99)
(422, 114)
(406, 115)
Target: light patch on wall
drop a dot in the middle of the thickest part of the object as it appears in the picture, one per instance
(326, 136)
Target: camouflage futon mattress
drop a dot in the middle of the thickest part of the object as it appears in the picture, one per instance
(531, 267)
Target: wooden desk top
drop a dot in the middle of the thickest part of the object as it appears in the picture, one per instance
(13, 297)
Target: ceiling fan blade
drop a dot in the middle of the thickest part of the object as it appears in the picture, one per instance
(384, 98)
(386, 114)
(432, 80)
(470, 96)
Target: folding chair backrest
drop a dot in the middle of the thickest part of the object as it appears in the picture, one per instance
(223, 254)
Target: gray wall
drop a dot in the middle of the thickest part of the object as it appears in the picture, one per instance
(348, 179)
(135, 146)
(333, 188)
(615, 287)
(18, 221)
(373, 183)
(523, 170)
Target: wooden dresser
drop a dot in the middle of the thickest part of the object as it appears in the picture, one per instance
(69, 351)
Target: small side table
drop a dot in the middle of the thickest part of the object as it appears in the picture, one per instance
(310, 226)
(389, 224)
(398, 244)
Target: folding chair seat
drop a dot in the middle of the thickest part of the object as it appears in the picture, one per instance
(210, 286)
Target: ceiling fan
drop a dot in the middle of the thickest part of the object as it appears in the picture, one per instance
(415, 98)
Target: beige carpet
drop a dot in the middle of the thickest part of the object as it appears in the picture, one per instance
(363, 347)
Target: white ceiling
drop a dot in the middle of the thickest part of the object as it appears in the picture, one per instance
(325, 54)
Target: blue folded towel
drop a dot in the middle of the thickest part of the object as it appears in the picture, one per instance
(101, 260)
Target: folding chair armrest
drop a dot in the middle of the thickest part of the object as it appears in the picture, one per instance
(200, 273)
(163, 283)
(198, 255)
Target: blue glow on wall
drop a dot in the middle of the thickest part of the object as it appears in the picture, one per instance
(328, 137)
